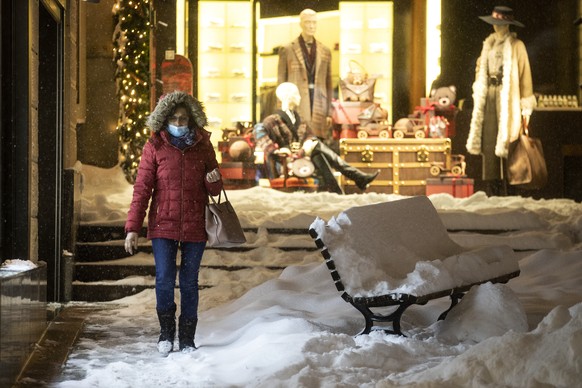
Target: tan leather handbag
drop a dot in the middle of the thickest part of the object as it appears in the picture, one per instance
(222, 225)
(526, 165)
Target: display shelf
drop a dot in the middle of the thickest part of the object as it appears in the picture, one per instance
(366, 37)
(225, 62)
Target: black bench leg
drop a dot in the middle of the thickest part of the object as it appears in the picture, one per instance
(370, 318)
(454, 300)
(367, 318)
(397, 315)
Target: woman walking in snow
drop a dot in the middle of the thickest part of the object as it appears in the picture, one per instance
(177, 171)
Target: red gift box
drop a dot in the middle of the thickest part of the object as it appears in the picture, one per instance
(425, 112)
(294, 184)
(458, 187)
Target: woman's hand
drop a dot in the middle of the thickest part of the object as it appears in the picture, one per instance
(213, 176)
(131, 242)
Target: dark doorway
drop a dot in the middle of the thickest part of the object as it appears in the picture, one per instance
(50, 147)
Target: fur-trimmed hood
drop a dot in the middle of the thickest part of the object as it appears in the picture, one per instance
(166, 105)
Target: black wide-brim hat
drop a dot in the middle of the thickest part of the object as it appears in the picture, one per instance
(501, 15)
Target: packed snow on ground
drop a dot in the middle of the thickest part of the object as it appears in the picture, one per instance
(17, 265)
(267, 328)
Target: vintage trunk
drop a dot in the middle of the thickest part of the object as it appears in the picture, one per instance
(404, 164)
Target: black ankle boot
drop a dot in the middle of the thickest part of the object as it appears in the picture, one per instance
(363, 180)
(167, 321)
(186, 332)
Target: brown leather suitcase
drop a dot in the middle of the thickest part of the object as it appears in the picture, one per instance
(404, 164)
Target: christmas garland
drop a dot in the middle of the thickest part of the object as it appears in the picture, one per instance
(131, 54)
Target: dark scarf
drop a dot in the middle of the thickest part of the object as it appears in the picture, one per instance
(183, 141)
(287, 120)
(309, 57)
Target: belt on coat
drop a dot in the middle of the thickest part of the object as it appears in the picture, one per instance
(494, 80)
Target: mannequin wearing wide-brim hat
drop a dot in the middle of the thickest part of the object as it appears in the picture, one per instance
(502, 94)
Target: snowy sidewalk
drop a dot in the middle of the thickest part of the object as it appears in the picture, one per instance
(47, 362)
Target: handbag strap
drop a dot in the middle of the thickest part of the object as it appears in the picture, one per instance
(219, 197)
(354, 62)
(524, 126)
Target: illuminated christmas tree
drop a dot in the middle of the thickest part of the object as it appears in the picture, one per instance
(131, 54)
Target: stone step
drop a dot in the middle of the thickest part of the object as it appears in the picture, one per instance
(114, 250)
(104, 271)
(109, 292)
(97, 233)
(95, 272)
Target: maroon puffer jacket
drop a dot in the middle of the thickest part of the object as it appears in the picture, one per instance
(175, 180)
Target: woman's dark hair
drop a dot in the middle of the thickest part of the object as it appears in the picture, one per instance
(191, 122)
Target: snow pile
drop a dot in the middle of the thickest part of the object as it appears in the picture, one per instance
(105, 195)
(17, 265)
(549, 356)
(489, 310)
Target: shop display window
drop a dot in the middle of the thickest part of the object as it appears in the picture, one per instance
(359, 30)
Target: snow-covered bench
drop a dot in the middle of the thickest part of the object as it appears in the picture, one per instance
(399, 254)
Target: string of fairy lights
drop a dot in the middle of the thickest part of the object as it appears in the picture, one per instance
(131, 53)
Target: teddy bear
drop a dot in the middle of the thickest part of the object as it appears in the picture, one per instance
(443, 97)
(443, 100)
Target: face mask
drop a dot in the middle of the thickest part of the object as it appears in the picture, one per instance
(177, 131)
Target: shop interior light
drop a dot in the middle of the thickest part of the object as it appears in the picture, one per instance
(433, 42)
(181, 7)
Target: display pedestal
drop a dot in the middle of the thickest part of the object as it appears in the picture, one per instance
(458, 187)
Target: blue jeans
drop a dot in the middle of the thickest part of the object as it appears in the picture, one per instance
(165, 252)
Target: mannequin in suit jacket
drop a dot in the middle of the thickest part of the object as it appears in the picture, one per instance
(306, 62)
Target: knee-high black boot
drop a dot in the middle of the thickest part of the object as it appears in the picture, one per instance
(329, 181)
(186, 332)
(361, 179)
(167, 321)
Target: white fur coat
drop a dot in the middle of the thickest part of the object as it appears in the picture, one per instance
(516, 95)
